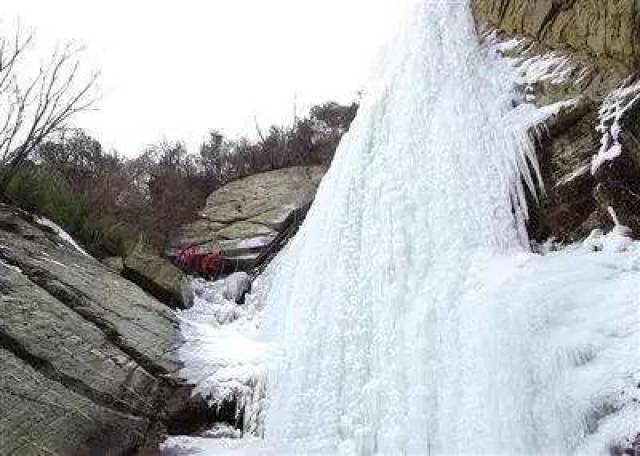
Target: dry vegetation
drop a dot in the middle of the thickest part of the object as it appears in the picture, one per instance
(107, 201)
(110, 202)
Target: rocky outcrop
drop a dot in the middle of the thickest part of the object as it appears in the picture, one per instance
(87, 357)
(159, 277)
(616, 167)
(604, 28)
(576, 89)
(245, 216)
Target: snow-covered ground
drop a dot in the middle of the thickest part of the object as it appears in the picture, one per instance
(569, 319)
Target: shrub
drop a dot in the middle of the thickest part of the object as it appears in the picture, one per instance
(108, 203)
(45, 191)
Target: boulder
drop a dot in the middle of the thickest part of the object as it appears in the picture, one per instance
(40, 415)
(159, 277)
(245, 216)
(87, 356)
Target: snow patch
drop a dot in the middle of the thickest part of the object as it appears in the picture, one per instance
(581, 171)
(556, 108)
(614, 107)
(551, 67)
(61, 233)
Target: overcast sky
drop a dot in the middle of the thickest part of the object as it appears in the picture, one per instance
(176, 69)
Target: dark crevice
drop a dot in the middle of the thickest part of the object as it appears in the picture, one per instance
(45, 368)
(557, 6)
(502, 10)
(548, 20)
(163, 295)
(75, 302)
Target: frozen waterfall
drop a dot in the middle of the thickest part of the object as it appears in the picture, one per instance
(409, 314)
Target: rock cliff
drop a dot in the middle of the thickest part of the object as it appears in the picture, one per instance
(603, 28)
(87, 356)
(577, 60)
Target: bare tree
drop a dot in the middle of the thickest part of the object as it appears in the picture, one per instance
(37, 101)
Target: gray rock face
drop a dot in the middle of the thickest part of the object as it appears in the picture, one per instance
(618, 178)
(159, 277)
(87, 357)
(42, 416)
(245, 216)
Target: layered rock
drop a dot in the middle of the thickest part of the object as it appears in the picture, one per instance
(574, 88)
(159, 277)
(87, 356)
(245, 216)
(604, 28)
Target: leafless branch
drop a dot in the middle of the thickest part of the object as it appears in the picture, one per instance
(36, 104)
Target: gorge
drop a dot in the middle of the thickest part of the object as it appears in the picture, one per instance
(466, 280)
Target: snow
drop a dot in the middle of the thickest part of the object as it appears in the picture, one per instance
(61, 233)
(236, 285)
(252, 243)
(550, 67)
(504, 46)
(614, 107)
(564, 105)
(605, 154)
(222, 352)
(580, 171)
(555, 334)
(186, 446)
(10, 266)
(408, 315)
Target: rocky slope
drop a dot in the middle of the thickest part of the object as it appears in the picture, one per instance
(87, 356)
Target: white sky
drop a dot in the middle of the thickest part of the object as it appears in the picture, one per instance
(176, 69)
